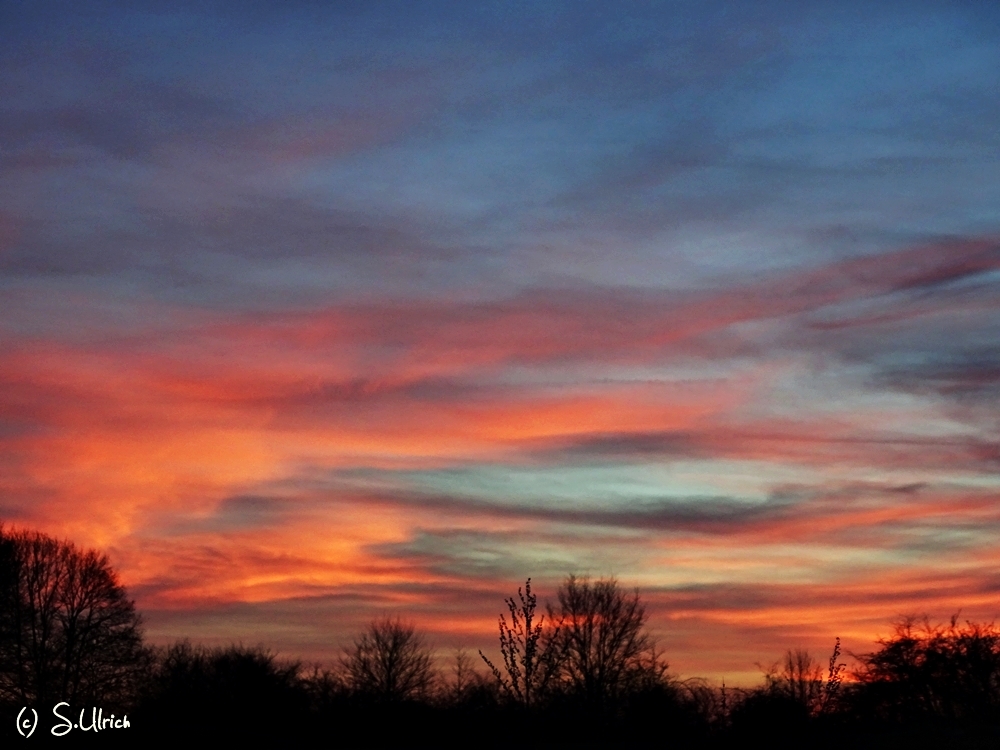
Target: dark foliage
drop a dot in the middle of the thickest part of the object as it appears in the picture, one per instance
(68, 631)
(604, 654)
(585, 675)
(389, 663)
(946, 673)
(530, 661)
(588, 674)
(223, 692)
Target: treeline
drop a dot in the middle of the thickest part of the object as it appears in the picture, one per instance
(583, 672)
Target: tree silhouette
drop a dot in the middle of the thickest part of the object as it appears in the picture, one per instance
(604, 652)
(529, 659)
(67, 630)
(798, 678)
(389, 663)
(946, 672)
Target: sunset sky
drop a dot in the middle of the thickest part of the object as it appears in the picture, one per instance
(314, 312)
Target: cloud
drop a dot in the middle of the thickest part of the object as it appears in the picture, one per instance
(973, 374)
(806, 443)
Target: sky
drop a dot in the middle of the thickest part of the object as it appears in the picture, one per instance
(316, 312)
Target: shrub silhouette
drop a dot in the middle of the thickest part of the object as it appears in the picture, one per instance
(800, 680)
(793, 695)
(947, 672)
(530, 660)
(585, 674)
(232, 691)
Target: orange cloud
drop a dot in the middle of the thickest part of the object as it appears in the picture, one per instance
(210, 453)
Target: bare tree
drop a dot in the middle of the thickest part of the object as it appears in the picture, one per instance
(67, 630)
(604, 650)
(799, 678)
(464, 674)
(389, 662)
(529, 660)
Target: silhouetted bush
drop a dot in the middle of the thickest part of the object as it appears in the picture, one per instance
(585, 675)
(224, 692)
(946, 673)
(531, 655)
